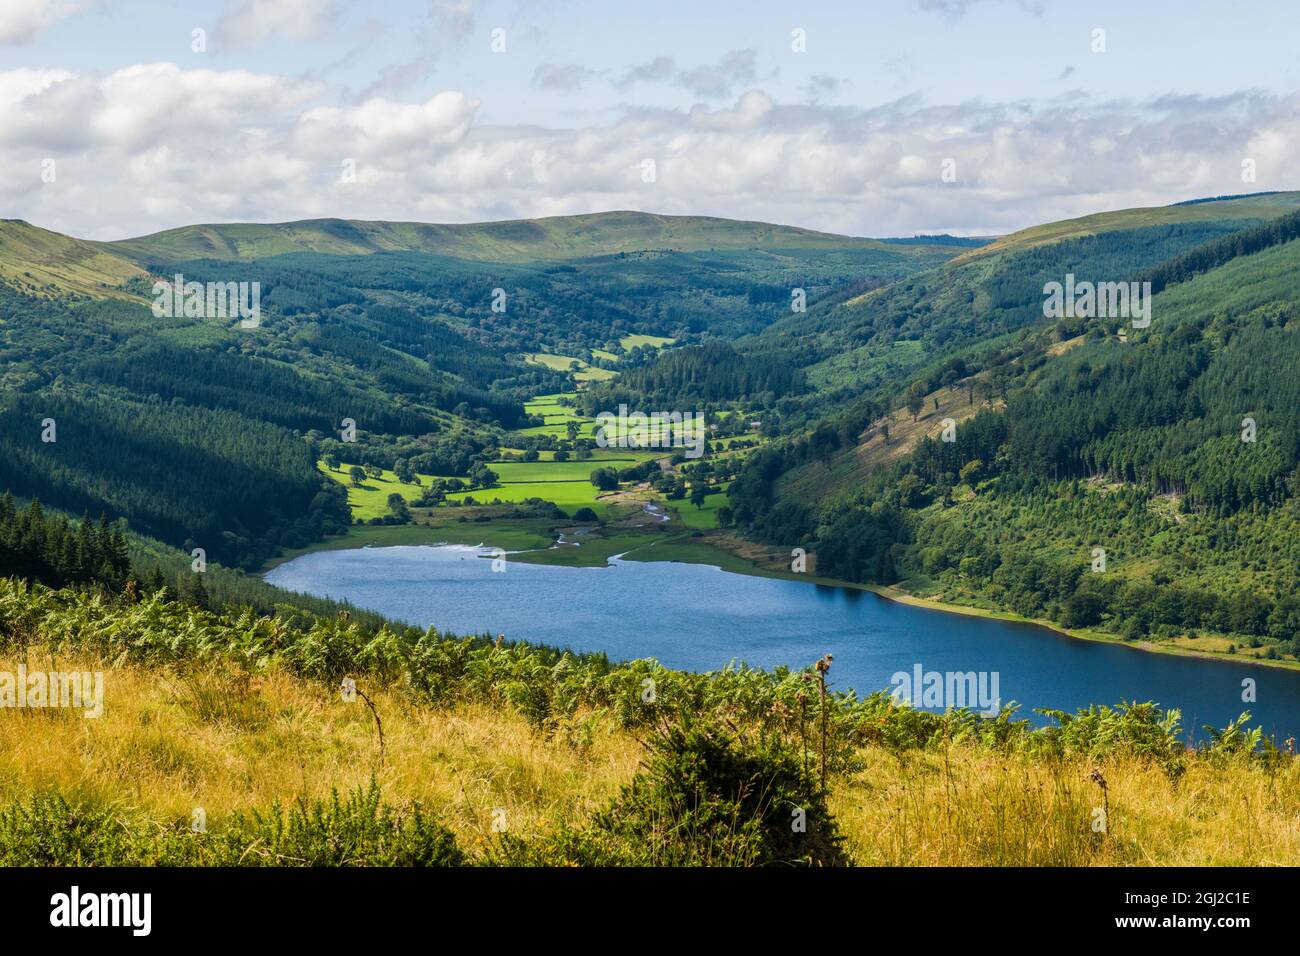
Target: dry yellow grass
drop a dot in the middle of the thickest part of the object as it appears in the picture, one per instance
(978, 808)
(223, 740)
(220, 740)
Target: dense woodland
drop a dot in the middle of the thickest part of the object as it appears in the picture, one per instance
(57, 552)
(1177, 451)
(889, 336)
(687, 378)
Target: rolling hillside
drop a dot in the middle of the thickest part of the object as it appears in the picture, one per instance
(44, 264)
(1258, 206)
(1174, 449)
(974, 300)
(560, 237)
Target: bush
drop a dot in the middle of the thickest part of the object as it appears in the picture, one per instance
(706, 798)
(606, 479)
(359, 831)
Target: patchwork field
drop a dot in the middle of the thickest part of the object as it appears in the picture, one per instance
(622, 457)
(569, 495)
(633, 341)
(563, 363)
(567, 484)
(587, 372)
(557, 418)
(513, 472)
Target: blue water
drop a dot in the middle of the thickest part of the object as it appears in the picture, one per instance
(696, 617)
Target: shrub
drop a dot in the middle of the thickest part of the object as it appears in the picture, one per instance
(707, 797)
(360, 830)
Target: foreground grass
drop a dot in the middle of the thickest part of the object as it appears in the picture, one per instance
(229, 741)
(499, 753)
(964, 806)
(226, 741)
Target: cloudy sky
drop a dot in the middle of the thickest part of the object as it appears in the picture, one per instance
(120, 117)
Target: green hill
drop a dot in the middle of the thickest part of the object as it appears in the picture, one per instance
(1261, 206)
(1175, 448)
(203, 434)
(38, 262)
(974, 299)
(559, 237)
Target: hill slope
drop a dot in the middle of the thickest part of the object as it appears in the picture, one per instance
(42, 263)
(1261, 206)
(977, 298)
(239, 723)
(560, 237)
(1175, 449)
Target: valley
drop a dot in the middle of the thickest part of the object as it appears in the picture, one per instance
(327, 495)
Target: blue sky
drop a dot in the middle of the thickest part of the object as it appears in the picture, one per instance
(849, 135)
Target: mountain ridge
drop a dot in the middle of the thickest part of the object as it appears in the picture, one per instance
(551, 237)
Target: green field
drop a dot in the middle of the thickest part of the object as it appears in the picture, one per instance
(590, 373)
(371, 499)
(656, 341)
(562, 363)
(513, 472)
(567, 484)
(623, 457)
(569, 495)
(702, 517)
(557, 418)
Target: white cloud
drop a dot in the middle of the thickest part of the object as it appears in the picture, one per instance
(35, 107)
(161, 102)
(250, 23)
(383, 129)
(153, 146)
(21, 20)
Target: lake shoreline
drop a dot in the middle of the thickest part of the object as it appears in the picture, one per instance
(697, 552)
(892, 593)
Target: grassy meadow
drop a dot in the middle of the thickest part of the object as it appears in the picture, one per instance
(654, 341)
(563, 363)
(226, 740)
(585, 372)
(174, 739)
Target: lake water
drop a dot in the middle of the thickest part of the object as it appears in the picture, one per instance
(696, 617)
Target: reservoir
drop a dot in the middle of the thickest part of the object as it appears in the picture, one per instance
(696, 617)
